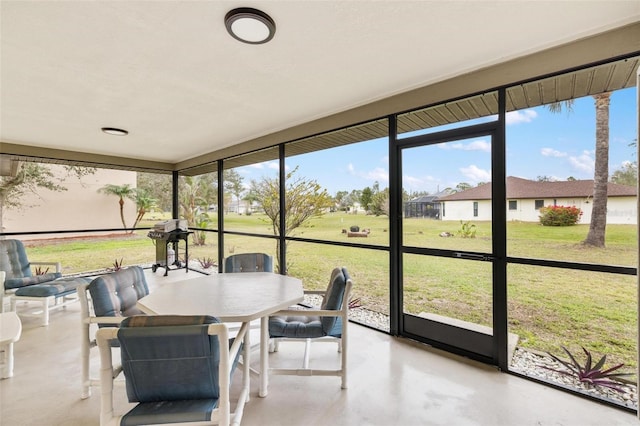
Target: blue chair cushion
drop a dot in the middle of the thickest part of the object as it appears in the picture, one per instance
(13, 259)
(333, 299)
(197, 410)
(58, 288)
(12, 283)
(309, 326)
(295, 326)
(117, 293)
(170, 358)
(248, 262)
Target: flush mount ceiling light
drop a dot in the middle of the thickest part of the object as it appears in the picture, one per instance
(249, 25)
(115, 131)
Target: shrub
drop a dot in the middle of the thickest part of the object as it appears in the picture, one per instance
(560, 215)
(467, 230)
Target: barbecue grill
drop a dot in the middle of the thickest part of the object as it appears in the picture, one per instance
(165, 243)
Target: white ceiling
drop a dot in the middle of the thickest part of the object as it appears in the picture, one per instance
(168, 72)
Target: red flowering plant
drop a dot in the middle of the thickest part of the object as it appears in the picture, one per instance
(560, 215)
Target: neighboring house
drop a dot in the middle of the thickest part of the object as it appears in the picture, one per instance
(81, 206)
(526, 197)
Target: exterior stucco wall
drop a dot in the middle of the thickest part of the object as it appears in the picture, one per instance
(620, 210)
(81, 206)
(463, 210)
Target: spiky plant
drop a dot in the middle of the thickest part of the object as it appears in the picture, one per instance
(354, 303)
(589, 373)
(206, 262)
(117, 265)
(40, 271)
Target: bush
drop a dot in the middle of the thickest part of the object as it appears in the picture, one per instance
(560, 215)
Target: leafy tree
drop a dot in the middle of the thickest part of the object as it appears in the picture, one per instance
(462, 186)
(545, 178)
(304, 200)
(158, 186)
(380, 203)
(144, 203)
(122, 192)
(366, 197)
(233, 184)
(627, 174)
(195, 194)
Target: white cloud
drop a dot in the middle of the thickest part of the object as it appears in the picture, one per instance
(377, 174)
(411, 182)
(477, 145)
(476, 174)
(273, 165)
(522, 116)
(550, 152)
(583, 163)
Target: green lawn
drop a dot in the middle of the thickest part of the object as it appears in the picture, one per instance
(548, 307)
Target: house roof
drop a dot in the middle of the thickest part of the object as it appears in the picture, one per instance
(518, 188)
(188, 93)
(429, 198)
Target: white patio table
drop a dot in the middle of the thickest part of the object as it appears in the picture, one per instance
(231, 297)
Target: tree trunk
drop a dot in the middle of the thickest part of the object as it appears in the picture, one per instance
(598, 223)
(124, 224)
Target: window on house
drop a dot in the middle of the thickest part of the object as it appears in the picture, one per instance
(539, 204)
(513, 205)
(475, 209)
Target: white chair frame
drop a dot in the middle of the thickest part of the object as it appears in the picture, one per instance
(87, 342)
(342, 341)
(47, 303)
(222, 415)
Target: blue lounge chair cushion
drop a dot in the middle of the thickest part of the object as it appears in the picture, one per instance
(33, 280)
(58, 288)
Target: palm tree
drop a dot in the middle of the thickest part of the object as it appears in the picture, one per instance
(144, 202)
(121, 191)
(598, 224)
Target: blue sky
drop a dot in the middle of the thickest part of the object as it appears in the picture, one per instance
(539, 143)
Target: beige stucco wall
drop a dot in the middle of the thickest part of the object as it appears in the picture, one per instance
(80, 207)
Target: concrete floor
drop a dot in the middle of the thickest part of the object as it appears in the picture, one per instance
(391, 382)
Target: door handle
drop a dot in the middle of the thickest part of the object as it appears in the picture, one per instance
(473, 256)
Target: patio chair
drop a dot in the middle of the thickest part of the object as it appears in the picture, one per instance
(178, 369)
(248, 262)
(21, 284)
(113, 298)
(329, 323)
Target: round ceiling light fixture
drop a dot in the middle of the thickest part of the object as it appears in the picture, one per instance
(114, 131)
(249, 25)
